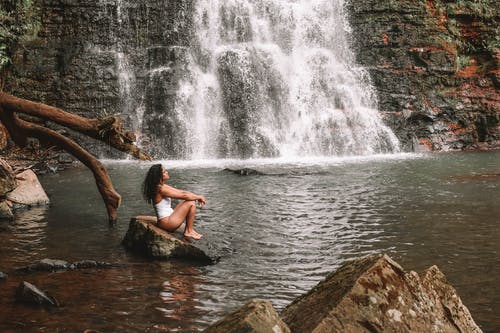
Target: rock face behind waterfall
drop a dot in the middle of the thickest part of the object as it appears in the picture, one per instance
(374, 294)
(95, 58)
(435, 67)
(246, 78)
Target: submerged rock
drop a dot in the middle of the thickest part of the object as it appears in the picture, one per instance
(433, 91)
(52, 265)
(257, 316)
(375, 294)
(145, 238)
(29, 191)
(244, 171)
(28, 293)
(90, 264)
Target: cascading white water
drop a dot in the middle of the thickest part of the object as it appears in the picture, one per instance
(131, 107)
(277, 77)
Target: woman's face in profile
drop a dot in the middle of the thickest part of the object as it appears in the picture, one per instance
(165, 174)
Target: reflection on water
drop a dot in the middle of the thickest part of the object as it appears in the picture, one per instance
(278, 235)
(180, 300)
(26, 235)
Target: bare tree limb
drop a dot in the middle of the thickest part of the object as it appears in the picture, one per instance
(108, 130)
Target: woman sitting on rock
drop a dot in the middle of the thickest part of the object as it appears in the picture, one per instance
(159, 194)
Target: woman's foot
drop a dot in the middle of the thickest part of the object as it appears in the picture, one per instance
(192, 234)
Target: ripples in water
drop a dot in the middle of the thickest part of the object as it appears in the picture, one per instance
(277, 235)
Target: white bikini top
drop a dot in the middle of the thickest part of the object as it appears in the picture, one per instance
(163, 208)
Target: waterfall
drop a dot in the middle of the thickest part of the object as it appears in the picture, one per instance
(268, 78)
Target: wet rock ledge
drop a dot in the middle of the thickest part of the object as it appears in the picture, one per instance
(371, 294)
(145, 238)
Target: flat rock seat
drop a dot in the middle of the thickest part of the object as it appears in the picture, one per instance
(145, 238)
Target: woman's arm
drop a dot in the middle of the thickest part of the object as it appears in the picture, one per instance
(172, 192)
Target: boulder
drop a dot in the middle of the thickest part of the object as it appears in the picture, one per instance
(7, 179)
(145, 238)
(29, 293)
(5, 211)
(257, 316)
(29, 191)
(374, 294)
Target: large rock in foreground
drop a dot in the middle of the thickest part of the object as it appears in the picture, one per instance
(145, 238)
(374, 294)
(256, 316)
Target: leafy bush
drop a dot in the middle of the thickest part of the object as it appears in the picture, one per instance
(19, 23)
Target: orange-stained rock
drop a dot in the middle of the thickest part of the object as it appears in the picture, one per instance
(374, 294)
(257, 316)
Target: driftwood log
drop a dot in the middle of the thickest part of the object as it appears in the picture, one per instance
(108, 130)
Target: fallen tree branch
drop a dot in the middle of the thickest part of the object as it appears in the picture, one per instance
(108, 130)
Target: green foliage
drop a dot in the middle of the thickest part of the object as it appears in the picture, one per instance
(19, 23)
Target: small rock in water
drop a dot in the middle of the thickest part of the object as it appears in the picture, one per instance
(3, 276)
(65, 158)
(90, 264)
(244, 172)
(29, 293)
(52, 265)
(46, 265)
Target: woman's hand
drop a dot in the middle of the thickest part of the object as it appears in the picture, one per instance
(202, 200)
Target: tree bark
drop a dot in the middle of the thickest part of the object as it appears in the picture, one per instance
(108, 130)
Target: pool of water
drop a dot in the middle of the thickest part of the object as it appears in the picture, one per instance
(277, 234)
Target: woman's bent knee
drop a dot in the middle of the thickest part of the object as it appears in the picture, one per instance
(190, 204)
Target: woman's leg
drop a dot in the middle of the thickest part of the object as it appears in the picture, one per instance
(185, 210)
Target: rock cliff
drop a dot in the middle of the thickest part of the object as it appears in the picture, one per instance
(434, 65)
(89, 57)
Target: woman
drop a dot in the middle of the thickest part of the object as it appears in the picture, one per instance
(159, 194)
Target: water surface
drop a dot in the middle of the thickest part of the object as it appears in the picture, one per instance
(278, 235)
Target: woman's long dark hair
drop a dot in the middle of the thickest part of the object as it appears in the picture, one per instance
(150, 184)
